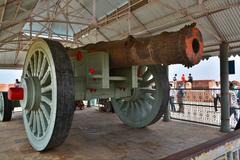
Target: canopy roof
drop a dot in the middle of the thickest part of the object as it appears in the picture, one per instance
(80, 22)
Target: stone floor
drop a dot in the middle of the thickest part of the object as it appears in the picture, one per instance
(101, 136)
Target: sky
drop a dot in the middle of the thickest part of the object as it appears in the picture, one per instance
(9, 76)
(205, 70)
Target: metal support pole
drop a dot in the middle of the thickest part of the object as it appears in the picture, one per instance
(167, 114)
(225, 111)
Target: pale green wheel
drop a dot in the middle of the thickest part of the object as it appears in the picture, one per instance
(5, 107)
(148, 102)
(48, 104)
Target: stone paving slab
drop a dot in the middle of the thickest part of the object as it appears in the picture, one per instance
(97, 135)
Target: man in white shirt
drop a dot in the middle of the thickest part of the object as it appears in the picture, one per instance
(171, 99)
(233, 101)
(216, 95)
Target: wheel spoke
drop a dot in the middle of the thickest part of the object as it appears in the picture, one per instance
(147, 75)
(43, 123)
(35, 63)
(147, 107)
(132, 111)
(31, 68)
(137, 112)
(43, 80)
(39, 129)
(148, 90)
(45, 112)
(39, 63)
(124, 107)
(30, 118)
(128, 110)
(143, 108)
(46, 100)
(44, 63)
(46, 89)
(138, 109)
(28, 73)
(147, 83)
(34, 122)
(150, 100)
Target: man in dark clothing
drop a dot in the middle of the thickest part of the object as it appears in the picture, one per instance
(216, 95)
(180, 95)
(190, 78)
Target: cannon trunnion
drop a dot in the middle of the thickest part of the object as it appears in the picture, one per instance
(132, 72)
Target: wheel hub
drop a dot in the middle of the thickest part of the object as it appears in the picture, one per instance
(32, 93)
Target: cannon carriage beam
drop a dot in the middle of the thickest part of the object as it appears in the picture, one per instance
(132, 72)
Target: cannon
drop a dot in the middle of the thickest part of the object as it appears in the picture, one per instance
(132, 72)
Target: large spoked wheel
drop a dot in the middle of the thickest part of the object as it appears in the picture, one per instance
(48, 104)
(5, 107)
(148, 102)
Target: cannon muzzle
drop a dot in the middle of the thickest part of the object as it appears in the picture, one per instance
(182, 47)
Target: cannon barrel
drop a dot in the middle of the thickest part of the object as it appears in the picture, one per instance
(181, 47)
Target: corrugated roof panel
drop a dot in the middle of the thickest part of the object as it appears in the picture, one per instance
(150, 12)
(213, 4)
(104, 7)
(111, 31)
(207, 30)
(227, 22)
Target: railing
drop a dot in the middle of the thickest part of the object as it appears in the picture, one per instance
(226, 147)
(199, 107)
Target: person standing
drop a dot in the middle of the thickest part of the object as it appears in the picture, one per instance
(190, 78)
(175, 81)
(233, 101)
(183, 80)
(17, 83)
(180, 95)
(171, 99)
(216, 95)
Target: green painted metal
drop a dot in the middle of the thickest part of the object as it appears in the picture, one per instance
(148, 102)
(43, 80)
(103, 83)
